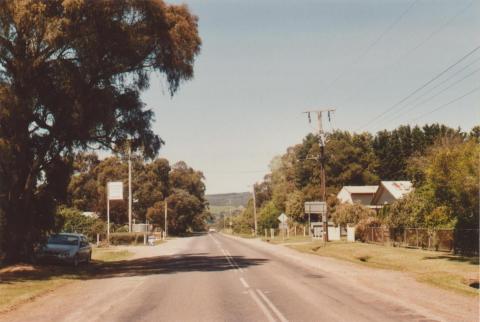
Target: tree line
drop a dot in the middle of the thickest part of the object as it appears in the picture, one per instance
(442, 163)
(153, 184)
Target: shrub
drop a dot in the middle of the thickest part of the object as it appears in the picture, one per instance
(126, 238)
(351, 214)
(71, 220)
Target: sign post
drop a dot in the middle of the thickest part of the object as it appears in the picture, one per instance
(283, 223)
(114, 192)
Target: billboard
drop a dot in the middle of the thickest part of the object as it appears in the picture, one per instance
(115, 190)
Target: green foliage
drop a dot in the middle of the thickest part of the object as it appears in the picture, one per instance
(350, 159)
(295, 207)
(125, 238)
(152, 182)
(394, 148)
(446, 194)
(351, 214)
(268, 216)
(71, 220)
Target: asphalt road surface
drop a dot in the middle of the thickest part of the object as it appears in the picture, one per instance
(212, 277)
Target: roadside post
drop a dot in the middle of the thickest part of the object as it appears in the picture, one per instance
(272, 233)
(114, 192)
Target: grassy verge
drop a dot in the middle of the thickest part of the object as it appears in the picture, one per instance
(110, 255)
(289, 240)
(22, 283)
(443, 270)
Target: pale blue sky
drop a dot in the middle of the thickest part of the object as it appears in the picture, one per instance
(264, 62)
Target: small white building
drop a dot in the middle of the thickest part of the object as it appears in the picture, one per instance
(90, 214)
(357, 194)
(390, 191)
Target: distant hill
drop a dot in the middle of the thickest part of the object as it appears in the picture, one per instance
(236, 199)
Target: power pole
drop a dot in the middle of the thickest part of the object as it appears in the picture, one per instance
(129, 188)
(230, 214)
(166, 222)
(254, 210)
(321, 141)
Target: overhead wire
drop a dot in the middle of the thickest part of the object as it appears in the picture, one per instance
(418, 89)
(359, 57)
(422, 42)
(447, 104)
(435, 95)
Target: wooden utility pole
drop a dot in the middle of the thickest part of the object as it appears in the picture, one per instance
(166, 221)
(321, 142)
(254, 210)
(129, 187)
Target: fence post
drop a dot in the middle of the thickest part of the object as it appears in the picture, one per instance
(304, 231)
(266, 235)
(416, 230)
(272, 233)
(405, 237)
(429, 239)
(371, 234)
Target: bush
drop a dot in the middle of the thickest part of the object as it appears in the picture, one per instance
(126, 238)
(362, 228)
(71, 220)
(351, 214)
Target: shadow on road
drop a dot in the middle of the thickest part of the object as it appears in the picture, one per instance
(200, 262)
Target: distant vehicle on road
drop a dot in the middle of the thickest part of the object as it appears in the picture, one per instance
(212, 230)
(66, 248)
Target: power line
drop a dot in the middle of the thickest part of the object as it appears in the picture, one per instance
(445, 80)
(420, 88)
(435, 95)
(371, 45)
(447, 104)
(421, 43)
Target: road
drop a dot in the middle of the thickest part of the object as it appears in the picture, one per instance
(213, 277)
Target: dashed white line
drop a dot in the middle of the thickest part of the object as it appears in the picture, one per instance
(244, 282)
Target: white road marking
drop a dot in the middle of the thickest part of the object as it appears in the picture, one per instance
(229, 261)
(231, 257)
(261, 305)
(272, 306)
(244, 282)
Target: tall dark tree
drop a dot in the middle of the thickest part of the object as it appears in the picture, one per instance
(71, 74)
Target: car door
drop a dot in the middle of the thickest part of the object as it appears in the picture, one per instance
(84, 251)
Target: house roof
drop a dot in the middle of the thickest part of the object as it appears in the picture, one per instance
(361, 189)
(397, 188)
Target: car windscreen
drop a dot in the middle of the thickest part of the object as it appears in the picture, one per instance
(63, 240)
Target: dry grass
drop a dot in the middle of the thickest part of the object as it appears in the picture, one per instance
(288, 240)
(443, 270)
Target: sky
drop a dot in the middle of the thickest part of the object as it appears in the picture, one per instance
(263, 63)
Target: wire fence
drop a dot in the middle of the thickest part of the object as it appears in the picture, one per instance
(451, 240)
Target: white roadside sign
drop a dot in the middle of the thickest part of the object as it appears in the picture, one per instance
(283, 218)
(115, 190)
